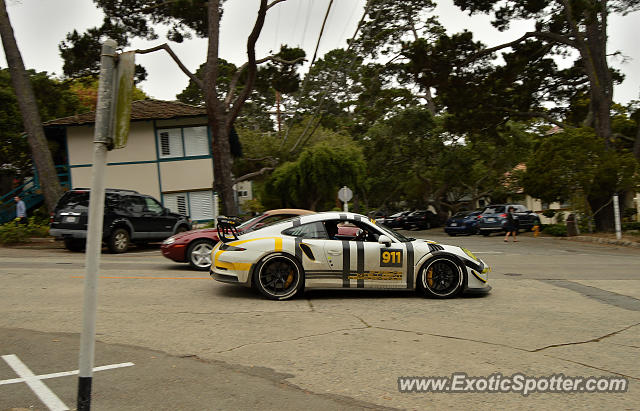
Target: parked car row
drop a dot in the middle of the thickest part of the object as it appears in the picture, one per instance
(492, 219)
(417, 219)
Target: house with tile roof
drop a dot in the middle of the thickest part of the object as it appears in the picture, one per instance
(168, 155)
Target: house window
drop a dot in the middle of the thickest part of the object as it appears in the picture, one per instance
(196, 141)
(170, 143)
(243, 193)
(183, 142)
(198, 205)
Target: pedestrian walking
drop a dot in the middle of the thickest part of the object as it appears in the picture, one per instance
(21, 210)
(512, 225)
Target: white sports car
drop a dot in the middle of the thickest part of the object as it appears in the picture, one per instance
(342, 250)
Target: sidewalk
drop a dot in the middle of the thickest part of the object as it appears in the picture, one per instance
(606, 238)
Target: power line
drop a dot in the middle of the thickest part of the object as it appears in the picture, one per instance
(331, 81)
(324, 22)
(306, 24)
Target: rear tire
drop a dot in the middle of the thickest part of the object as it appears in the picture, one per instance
(75, 244)
(119, 241)
(441, 277)
(278, 277)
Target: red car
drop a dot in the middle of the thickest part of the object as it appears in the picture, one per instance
(194, 247)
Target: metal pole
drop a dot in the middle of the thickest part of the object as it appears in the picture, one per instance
(616, 215)
(94, 229)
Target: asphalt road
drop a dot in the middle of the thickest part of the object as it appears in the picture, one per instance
(556, 307)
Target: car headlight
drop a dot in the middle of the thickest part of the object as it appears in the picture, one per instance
(169, 241)
(470, 254)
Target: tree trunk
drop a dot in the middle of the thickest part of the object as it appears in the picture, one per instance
(42, 158)
(604, 218)
(221, 116)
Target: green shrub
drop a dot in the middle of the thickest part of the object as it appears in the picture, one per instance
(558, 230)
(13, 233)
(635, 225)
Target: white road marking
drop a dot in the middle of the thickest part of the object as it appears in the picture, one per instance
(38, 387)
(67, 373)
(43, 392)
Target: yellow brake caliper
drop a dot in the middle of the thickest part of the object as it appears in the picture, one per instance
(430, 277)
(289, 279)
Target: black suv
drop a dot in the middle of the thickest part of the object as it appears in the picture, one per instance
(128, 217)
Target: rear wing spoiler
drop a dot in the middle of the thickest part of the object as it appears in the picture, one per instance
(227, 230)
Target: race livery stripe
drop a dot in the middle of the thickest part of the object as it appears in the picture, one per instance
(346, 264)
(410, 270)
(360, 263)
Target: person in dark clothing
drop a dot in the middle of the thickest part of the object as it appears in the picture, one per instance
(512, 225)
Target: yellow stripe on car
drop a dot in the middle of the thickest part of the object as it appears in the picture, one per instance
(243, 266)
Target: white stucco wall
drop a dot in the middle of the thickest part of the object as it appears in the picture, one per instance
(148, 176)
(186, 175)
(142, 178)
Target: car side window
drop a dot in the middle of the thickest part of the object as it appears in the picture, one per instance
(309, 231)
(134, 204)
(153, 206)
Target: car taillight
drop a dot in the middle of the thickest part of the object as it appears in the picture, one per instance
(479, 216)
(503, 215)
(51, 217)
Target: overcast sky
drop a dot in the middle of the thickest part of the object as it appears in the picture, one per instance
(40, 25)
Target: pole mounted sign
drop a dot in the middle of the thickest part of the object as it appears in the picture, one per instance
(121, 107)
(113, 112)
(345, 195)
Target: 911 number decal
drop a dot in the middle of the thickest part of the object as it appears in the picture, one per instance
(391, 258)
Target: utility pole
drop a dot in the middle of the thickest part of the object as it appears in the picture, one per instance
(113, 113)
(94, 227)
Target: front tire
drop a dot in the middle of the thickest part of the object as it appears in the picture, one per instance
(441, 278)
(279, 277)
(199, 254)
(119, 241)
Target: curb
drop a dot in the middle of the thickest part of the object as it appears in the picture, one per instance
(602, 240)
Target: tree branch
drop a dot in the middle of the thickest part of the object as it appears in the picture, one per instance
(534, 114)
(251, 63)
(175, 58)
(233, 84)
(249, 176)
(556, 38)
(274, 2)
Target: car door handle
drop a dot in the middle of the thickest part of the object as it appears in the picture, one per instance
(334, 252)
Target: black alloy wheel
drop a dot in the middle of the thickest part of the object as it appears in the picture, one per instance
(441, 278)
(279, 277)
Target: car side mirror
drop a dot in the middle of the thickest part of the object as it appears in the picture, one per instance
(383, 239)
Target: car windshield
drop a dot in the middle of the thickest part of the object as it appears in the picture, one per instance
(493, 210)
(460, 215)
(397, 214)
(393, 234)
